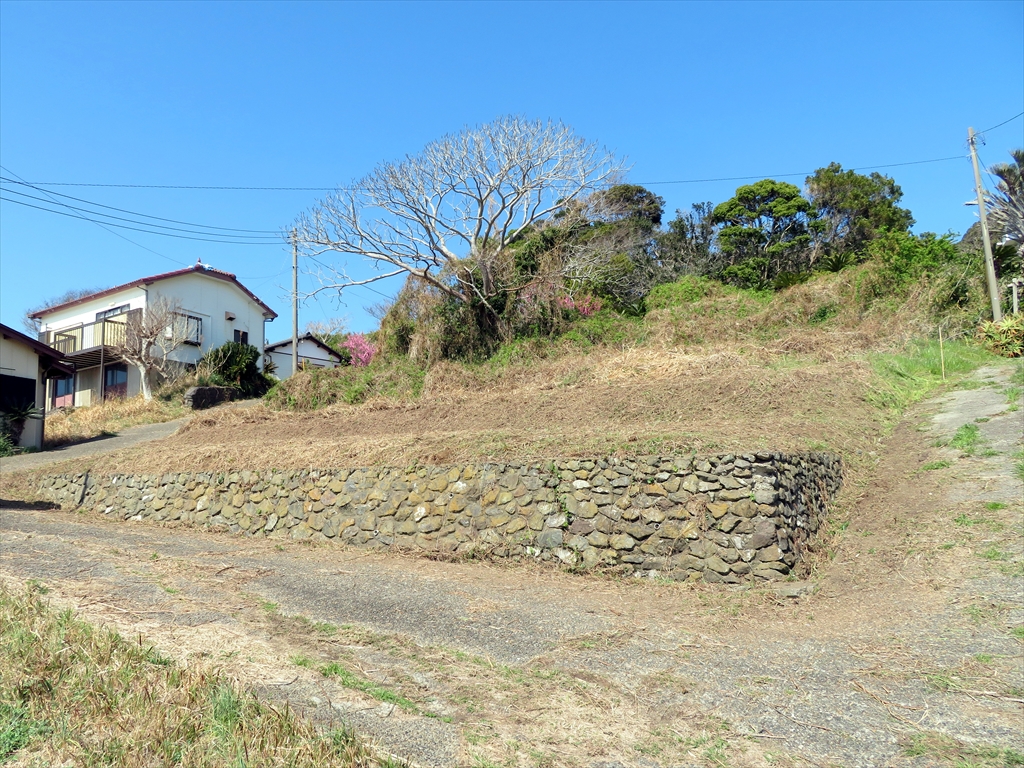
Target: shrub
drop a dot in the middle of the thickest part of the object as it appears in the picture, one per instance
(685, 290)
(233, 365)
(1004, 338)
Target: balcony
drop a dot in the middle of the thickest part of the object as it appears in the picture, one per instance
(89, 344)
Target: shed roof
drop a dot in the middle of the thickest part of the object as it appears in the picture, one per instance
(43, 350)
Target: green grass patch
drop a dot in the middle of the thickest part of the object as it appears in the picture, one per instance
(966, 439)
(17, 729)
(1018, 465)
(907, 377)
(377, 691)
(994, 506)
(394, 376)
(994, 553)
(933, 465)
(956, 753)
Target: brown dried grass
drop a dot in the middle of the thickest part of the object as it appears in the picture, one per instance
(83, 695)
(73, 425)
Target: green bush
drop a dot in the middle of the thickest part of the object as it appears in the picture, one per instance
(905, 257)
(233, 365)
(395, 376)
(1005, 338)
(685, 290)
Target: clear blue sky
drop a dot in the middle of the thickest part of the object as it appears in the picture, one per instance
(314, 95)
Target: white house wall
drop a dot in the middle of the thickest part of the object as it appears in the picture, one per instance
(16, 359)
(212, 299)
(85, 313)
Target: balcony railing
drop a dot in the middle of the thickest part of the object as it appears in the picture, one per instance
(110, 332)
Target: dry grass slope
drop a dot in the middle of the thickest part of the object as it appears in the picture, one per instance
(74, 694)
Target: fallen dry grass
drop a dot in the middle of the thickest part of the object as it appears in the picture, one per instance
(74, 425)
(630, 402)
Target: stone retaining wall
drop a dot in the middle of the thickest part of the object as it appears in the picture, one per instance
(726, 518)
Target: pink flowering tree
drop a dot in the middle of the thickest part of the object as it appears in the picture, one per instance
(585, 305)
(360, 349)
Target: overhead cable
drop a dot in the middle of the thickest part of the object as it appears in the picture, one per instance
(135, 229)
(333, 189)
(148, 227)
(136, 213)
(108, 229)
(1000, 125)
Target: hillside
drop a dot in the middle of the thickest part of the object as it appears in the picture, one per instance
(707, 368)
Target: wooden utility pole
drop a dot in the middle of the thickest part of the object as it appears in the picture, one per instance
(295, 303)
(990, 270)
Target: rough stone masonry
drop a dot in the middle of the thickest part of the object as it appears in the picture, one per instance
(725, 518)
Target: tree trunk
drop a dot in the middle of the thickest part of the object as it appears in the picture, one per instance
(147, 389)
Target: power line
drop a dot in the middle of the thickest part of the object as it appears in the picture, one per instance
(803, 173)
(254, 238)
(110, 231)
(1002, 123)
(136, 213)
(367, 287)
(135, 229)
(332, 189)
(184, 186)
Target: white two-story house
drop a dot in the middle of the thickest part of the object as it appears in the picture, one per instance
(214, 307)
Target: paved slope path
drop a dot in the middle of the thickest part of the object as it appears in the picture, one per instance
(126, 438)
(908, 654)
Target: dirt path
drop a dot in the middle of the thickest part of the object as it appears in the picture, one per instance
(911, 645)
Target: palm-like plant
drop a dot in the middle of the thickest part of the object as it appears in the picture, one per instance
(1007, 201)
(13, 417)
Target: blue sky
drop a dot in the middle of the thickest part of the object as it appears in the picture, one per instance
(314, 95)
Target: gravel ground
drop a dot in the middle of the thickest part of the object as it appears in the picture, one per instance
(908, 631)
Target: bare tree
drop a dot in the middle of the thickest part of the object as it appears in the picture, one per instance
(150, 336)
(447, 214)
(32, 324)
(330, 332)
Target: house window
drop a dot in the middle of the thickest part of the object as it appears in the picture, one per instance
(115, 381)
(63, 392)
(241, 337)
(192, 329)
(112, 312)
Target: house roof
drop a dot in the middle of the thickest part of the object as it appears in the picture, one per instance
(43, 350)
(303, 337)
(197, 268)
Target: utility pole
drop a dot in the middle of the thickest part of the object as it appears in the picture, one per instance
(295, 303)
(990, 270)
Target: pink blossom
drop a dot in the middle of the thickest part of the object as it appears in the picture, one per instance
(586, 306)
(360, 349)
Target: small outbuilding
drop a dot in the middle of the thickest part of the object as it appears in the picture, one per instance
(313, 353)
(25, 367)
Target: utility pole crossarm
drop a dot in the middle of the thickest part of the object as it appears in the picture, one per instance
(990, 270)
